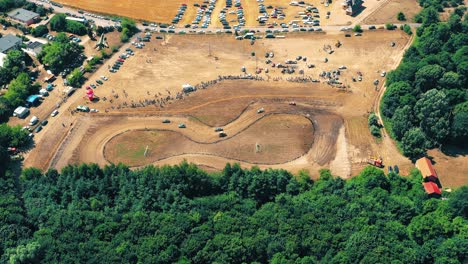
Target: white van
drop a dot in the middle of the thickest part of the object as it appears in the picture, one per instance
(33, 120)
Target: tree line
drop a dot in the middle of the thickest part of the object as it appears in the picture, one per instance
(426, 101)
(181, 214)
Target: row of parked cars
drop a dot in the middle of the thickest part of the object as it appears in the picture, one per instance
(204, 14)
(180, 14)
(120, 61)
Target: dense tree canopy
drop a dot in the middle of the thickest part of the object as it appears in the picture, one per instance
(58, 22)
(181, 214)
(61, 53)
(13, 65)
(429, 84)
(7, 5)
(39, 31)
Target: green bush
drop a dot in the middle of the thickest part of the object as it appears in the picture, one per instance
(390, 26)
(375, 131)
(40, 31)
(357, 28)
(407, 29)
(401, 16)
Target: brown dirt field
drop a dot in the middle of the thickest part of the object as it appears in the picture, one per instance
(159, 76)
(219, 114)
(452, 170)
(387, 13)
(281, 138)
(338, 117)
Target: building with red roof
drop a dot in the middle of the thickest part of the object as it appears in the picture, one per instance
(432, 189)
(427, 170)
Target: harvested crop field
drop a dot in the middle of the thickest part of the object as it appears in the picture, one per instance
(162, 11)
(387, 12)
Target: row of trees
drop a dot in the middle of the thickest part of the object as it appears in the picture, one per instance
(181, 214)
(128, 29)
(425, 102)
(7, 5)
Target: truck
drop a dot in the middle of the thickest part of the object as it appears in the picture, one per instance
(374, 161)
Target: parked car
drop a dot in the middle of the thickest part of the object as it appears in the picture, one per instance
(166, 121)
(34, 120)
(38, 129)
(54, 113)
(44, 122)
(82, 108)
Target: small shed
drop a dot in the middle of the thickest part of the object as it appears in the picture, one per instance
(432, 189)
(33, 100)
(21, 112)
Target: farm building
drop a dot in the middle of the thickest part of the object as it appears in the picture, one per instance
(24, 16)
(432, 189)
(34, 47)
(428, 173)
(351, 6)
(9, 42)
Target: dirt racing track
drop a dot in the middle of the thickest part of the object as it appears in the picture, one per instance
(288, 135)
(326, 128)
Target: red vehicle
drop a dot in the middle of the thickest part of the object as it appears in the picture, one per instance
(270, 26)
(121, 60)
(12, 150)
(377, 162)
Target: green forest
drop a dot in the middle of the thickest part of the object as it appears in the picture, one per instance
(181, 214)
(426, 102)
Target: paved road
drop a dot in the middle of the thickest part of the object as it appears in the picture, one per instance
(102, 22)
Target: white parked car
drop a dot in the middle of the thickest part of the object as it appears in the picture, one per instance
(54, 113)
(383, 74)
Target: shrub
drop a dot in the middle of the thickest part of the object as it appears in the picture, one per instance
(401, 16)
(357, 28)
(407, 29)
(390, 26)
(375, 131)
